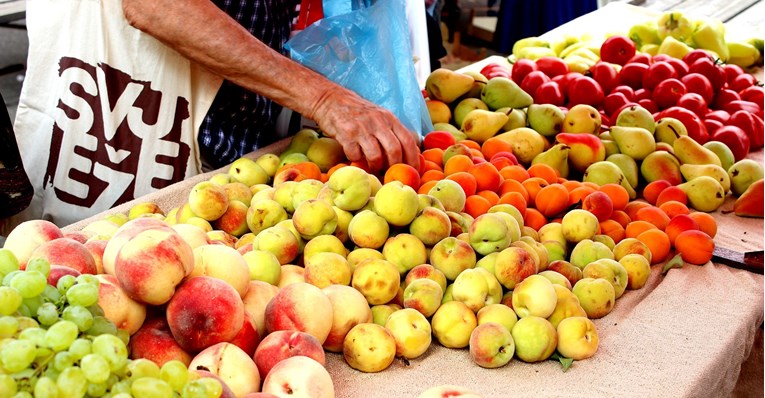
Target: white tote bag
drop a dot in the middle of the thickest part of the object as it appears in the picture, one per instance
(106, 113)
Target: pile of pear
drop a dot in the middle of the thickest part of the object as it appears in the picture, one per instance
(672, 33)
(634, 151)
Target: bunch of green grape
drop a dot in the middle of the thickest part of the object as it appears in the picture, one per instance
(56, 343)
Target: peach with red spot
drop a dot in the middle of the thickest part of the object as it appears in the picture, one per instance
(300, 306)
(28, 235)
(283, 344)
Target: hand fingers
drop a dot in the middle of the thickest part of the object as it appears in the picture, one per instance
(371, 148)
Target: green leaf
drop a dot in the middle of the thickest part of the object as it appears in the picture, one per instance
(675, 262)
(564, 362)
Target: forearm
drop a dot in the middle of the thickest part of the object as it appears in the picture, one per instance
(201, 32)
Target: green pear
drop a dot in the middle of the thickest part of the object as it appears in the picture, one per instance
(668, 129)
(300, 142)
(464, 107)
(636, 142)
(636, 116)
(447, 85)
(515, 118)
(691, 171)
(742, 174)
(723, 152)
(611, 147)
(556, 157)
(527, 143)
(479, 124)
(661, 165)
(604, 172)
(628, 165)
(546, 119)
(448, 127)
(704, 193)
(502, 92)
(479, 81)
(688, 150)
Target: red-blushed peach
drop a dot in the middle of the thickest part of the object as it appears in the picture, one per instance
(232, 365)
(491, 345)
(299, 377)
(25, 238)
(349, 308)
(155, 342)
(217, 236)
(126, 313)
(283, 344)
(451, 256)
(247, 338)
(327, 268)
(513, 265)
(289, 274)
(79, 236)
(424, 271)
(67, 252)
(96, 248)
(195, 374)
(192, 234)
(124, 234)
(151, 263)
(256, 299)
(300, 306)
(204, 311)
(448, 391)
(224, 263)
(57, 271)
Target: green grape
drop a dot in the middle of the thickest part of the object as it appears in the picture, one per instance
(212, 386)
(42, 354)
(112, 380)
(95, 367)
(112, 349)
(88, 279)
(7, 384)
(79, 315)
(40, 265)
(63, 360)
(72, 383)
(123, 395)
(9, 325)
(65, 282)
(121, 387)
(51, 373)
(8, 262)
(194, 389)
(97, 389)
(33, 304)
(29, 283)
(82, 294)
(23, 394)
(9, 276)
(46, 388)
(17, 355)
(51, 294)
(175, 373)
(123, 335)
(47, 314)
(35, 335)
(96, 310)
(26, 322)
(101, 326)
(61, 335)
(81, 347)
(142, 367)
(24, 311)
(10, 300)
(151, 388)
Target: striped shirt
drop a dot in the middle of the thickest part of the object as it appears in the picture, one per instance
(240, 121)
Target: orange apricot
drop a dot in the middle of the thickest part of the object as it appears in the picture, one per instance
(534, 219)
(673, 208)
(706, 222)
(515, 199)
(545, 171)
(571, 184)
(501, 163)
(475, 205)
(621, 217)
(435, 155)
(457, 163)
(599, 204)
(533, 185)
(466, 181)
(428, 165)
(657, 242)
(632, 208)
(577, 195)
(513, 186)
(678, 224)
(403, 172)
(487, 176)
(618, 194)
(491, 196)
(470, 144)
(653, 189)
(551, 200)
(432, 175)
(515, 172)
(426, 186)
(653, 215)
(637, 227)
(613, 229)
(672, 193)
(494, 145)
(695, 247)
(362, 164)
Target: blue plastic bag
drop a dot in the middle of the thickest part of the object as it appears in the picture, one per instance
(367, 50)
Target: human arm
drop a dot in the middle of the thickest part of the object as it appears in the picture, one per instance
(203, 33)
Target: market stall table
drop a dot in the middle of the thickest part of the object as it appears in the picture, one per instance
(685, 334)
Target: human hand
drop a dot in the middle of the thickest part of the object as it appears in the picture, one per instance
(365, 130)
